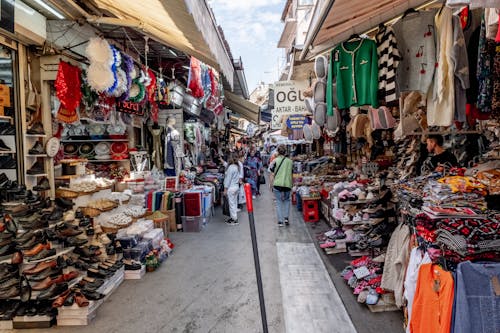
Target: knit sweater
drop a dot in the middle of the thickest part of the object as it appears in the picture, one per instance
(388, 61)
(415, 36)
(354, 66)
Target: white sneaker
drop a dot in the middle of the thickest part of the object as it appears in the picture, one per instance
(370, 196)
(346, 218)
(254, 197)
(357, 218)
(238, 210)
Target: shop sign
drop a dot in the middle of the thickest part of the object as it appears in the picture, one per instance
(7, 15)
(288, 99)
(130, 107)
(296, 121)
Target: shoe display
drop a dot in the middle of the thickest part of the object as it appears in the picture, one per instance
(42, 185)
(40, 267)
(53, 291)
(37, 149)
(36, 169)
(36, 129)
(45, 253)
(4, 147)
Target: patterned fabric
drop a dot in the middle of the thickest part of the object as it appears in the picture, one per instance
(472, 229)
(388, 61)
(484, 71)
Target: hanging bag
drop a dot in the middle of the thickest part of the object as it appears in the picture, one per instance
(225, 206)
(32, 96)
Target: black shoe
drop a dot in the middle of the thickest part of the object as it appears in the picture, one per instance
(42, 185)
(4, 147)
(37, 149)
(35, 169)
(287, 222)
(92, 296)
(64, 203)
(36, 129)
(133, 266)
(43, 254)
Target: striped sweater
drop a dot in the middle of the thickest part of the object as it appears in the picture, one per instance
(388, 61)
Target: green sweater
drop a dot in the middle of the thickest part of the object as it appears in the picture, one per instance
(354, 65)
(284, 176)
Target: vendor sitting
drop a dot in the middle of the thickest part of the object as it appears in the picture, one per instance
(441, 157)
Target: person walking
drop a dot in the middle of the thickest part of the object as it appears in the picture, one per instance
(232, 189)
(254, 165)
(282, 185)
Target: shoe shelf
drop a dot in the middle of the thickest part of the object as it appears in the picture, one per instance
(58, 254)
(36, 135)
(37, 175)
(7, 152)
(36, 155)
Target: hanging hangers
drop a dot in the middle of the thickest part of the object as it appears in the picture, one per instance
(353, 38)
(409, 11)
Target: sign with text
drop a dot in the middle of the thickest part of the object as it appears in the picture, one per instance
(296, 121)
(288, 99)
(130, 107)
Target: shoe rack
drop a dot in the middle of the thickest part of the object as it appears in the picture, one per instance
(40, 119)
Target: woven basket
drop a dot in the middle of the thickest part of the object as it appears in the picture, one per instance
(90, 211)
(66, 193)
(109, 208)
(114, 230)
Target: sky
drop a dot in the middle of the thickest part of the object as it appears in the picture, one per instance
(252, 29)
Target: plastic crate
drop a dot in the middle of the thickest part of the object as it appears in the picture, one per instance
(193, 223)
(310, 210)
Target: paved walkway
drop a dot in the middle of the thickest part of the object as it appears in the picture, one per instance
(208, 284)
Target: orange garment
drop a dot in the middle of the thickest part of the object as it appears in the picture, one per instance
(433, 302)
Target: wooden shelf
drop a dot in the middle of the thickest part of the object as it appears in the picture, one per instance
(107, 161)
(37, 155)
(7, 152)
(37, 175)
(36, 135)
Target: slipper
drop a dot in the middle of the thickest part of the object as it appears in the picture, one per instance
(308, 136)
(320, 113)
(327, 244)
(320, 67)
(362, 296)
(319, 91)
(315, 131)
(333, 122)
(309, 105)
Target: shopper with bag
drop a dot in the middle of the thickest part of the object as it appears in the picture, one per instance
(241, 195)
(282, 185)
(232, 188)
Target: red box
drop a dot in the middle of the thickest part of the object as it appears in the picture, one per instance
(310, 210)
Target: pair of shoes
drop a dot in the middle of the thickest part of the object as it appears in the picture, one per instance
(232, 222)
(281, 224)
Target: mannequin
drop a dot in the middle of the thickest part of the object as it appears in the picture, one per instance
(157, 151)
(172, 140)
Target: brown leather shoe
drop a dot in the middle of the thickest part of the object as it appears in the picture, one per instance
(42, 285)
(17, 258)
(66, 277)
(58, 302)
(69, 232)
(37, 249)
(40, 267)
(81, 300)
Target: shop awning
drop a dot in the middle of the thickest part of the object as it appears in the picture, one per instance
(187, 25)
(246, 109)
(336, 20)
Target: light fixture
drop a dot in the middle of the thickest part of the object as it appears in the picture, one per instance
(172, 52)
(49, 9)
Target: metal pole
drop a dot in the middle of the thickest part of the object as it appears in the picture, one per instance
(248, 195)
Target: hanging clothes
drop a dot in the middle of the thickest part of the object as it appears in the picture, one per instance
(441, 96)
(461, 70)
(417, 258)
(396, 260)
(388, 61)
(194, 79)
(477, 305)
(170, 151)
(433, 302)
(485, 70)
(68, 91)
(157, 149)
(415, 35)
(354, 66)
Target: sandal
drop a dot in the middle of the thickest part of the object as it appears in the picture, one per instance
(327, 244)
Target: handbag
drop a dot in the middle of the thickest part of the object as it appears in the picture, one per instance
(225, 206)
(262, 179)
